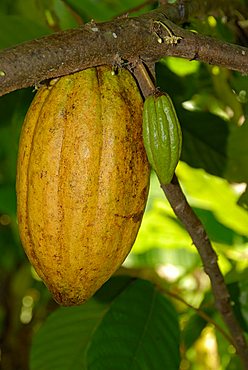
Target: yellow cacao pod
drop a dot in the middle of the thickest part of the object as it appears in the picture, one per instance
(82, 180)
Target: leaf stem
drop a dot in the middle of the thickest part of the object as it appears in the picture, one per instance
(202, 314)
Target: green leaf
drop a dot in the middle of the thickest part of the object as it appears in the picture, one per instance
(216, 231)
(13, 108)
(243, 200)
(140, 331)
(204, 141)
(237, 150)
(33, 10)
(65, 17)
(62, 341)
(192, 330)
(161, 229)
(138, 327)
(182, 67)
(7, 199)
(89, 9)
(12, 255)
(4, 5)
(216, 195)
(102, 10)
(113, 287)
(27, 30)
(234, 364)
(239, 294)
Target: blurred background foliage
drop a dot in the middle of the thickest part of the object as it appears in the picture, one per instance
(158, 311)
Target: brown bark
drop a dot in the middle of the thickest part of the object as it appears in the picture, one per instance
(209, 258)
(121, 40)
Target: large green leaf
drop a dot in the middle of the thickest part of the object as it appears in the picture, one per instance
(134, 328)
(204, 141)
(162, 239)
(62, 341)
(139, 331)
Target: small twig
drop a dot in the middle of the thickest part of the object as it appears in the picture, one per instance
(202, 314)
(137, 8)
(209, 258)
(152, 275)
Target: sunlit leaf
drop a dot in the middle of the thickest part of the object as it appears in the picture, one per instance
(218, 232)
(215, 194)
(160, 229)
(182, 67)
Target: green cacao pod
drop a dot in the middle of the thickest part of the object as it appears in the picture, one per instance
(82, 180)
(162, 135)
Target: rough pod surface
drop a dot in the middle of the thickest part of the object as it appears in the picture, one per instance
(82, 180)
(162, 135)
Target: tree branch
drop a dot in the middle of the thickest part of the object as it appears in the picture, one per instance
(124, 39)
(200, 239)
(131, 40)
(209, 258)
